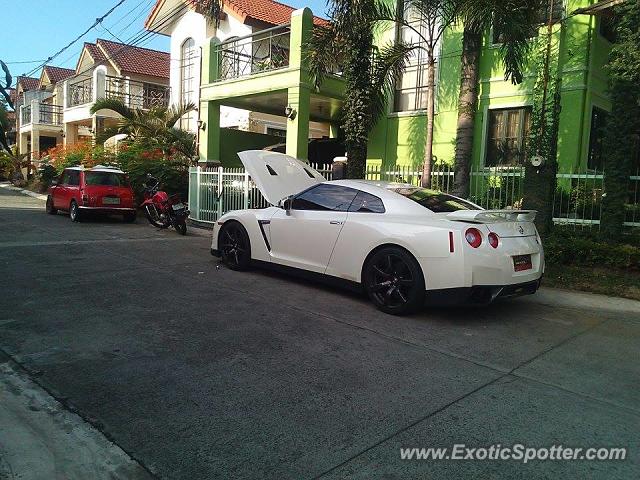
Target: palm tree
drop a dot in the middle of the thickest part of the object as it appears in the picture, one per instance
(5, 104)
(513, 21)
(370, 73)
(154, 128)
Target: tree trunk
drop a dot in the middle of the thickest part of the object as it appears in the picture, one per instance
(467, 106)
(428, 148)
(356, 160)
(623, 126)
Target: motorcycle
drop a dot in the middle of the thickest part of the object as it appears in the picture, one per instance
(164, 210)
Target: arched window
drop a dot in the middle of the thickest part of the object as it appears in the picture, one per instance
(188, 81)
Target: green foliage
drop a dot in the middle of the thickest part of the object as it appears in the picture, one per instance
(624, 61)
(137, 162)
(623, 125)
(584, 248)
(154, 128)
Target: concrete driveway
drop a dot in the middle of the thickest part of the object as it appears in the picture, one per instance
(198, 372)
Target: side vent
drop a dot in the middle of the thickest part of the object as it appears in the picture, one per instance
(271, 170)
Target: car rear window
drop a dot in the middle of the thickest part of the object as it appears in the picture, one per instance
(107, 179)
(435, 201)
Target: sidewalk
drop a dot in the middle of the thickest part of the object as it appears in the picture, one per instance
(40, 439)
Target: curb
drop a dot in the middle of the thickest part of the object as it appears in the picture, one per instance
(8, 186)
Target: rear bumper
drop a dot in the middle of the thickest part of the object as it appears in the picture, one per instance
(108, 209)
(481, 294)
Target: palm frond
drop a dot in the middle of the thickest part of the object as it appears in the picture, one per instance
(389, 63)
(114, 105)
(324, 52)
(107, 133)
(175, 113)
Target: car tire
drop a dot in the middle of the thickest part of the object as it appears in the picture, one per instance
(129, 217)
(74, 212)
(234, 246)
(49, 206)
(181, 227)
(394, 281)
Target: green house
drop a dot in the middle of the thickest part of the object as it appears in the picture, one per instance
(581, 42)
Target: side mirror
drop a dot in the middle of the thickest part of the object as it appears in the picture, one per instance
(285, 204)
(54, 183)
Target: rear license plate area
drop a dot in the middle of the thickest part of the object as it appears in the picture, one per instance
(110, 200)
(522, 262)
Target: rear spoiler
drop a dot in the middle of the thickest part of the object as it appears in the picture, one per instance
(493, 216)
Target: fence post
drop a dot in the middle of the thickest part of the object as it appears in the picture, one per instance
(246, 189)
(219, 193)
(198, 188)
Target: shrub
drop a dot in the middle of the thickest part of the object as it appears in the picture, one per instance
(584, 248)
(137, 162)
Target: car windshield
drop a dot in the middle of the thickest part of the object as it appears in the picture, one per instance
(107, 179)
(435, 201)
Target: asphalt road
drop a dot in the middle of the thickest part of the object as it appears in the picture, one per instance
(201, 373)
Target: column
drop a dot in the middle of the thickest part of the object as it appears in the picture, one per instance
(70, 133)
(209, 134)
(35, 112)
(35, 143)
(298, 124)
(299, 97)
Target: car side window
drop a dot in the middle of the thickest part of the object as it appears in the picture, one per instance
(64, 178)
(367, 203)
(325, 197)
(74, 177)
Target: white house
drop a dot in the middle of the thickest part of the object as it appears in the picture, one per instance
(189, 31)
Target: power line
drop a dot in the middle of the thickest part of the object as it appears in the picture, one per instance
(142, 35)
(97, 21)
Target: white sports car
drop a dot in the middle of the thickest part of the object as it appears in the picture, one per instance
(403, 244)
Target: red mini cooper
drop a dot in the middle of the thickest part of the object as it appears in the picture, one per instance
(99, 189)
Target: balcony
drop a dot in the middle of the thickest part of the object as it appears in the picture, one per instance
(47, 114)
(260, 52)
(80, 93)
(137, 94)
(133, 93)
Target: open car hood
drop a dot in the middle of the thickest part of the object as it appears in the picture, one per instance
(278, 175)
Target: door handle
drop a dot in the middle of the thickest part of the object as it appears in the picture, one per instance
(336, 222)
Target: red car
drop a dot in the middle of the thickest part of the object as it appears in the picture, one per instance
(99, 189)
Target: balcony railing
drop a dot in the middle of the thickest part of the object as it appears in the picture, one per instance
(25, 117)
(50, 114)
(137, 94)
(261, 52)
(79, 93)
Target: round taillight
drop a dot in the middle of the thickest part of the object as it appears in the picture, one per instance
(493, 240)
(473, 237)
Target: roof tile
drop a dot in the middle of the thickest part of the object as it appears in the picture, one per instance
(57, 74)
(142, 61)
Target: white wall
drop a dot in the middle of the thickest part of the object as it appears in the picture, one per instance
(193, 25)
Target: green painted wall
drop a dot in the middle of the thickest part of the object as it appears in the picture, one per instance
(233, 141)
(399, 137)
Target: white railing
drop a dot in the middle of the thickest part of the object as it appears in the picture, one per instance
(218, 190)
(577, 200)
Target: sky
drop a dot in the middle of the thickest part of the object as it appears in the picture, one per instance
(42, 27)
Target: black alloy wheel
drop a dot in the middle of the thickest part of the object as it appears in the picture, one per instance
(74, 211)
(394, 282)
(234, 246)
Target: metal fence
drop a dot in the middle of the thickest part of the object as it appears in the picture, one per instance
(136, 94)
(50, 114)
(577, 200)
(259, 52)
(79, 93)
